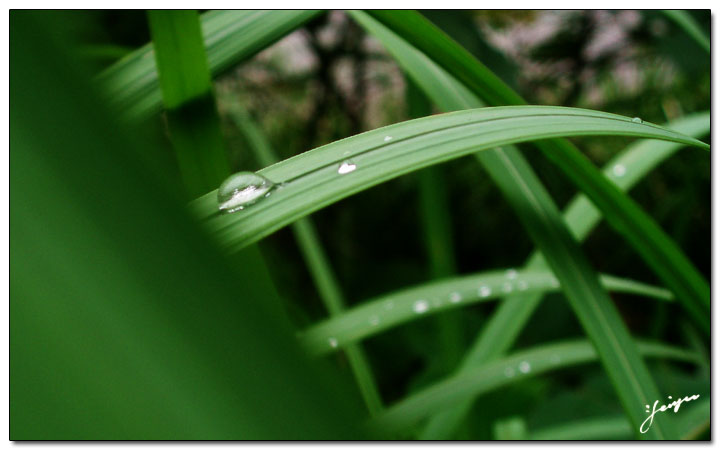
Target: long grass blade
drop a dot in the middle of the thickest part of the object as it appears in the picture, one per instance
(377, 315)
(519, 366)
(621, 212)
(312, 180)
(131, 85)
(316, 260)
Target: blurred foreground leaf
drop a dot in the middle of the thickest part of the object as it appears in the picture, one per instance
(126, 322)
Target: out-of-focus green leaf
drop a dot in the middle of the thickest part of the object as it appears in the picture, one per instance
(126, 322)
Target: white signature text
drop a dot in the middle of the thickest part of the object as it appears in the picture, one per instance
(676, 404)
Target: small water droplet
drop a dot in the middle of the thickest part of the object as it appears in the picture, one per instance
(524, 367)
(388, 138)
(455, 297)
(420, 306)
(555, 358)
(241, 190)
(637, 120)
(389, 305)
(619, 170)
(333, 342)
(509, 372)
(484, 291)
(507, 287)
(522, 285)
(346, 167)
(374, 320)
(511, 274)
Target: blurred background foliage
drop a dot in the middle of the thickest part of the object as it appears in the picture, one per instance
(329, 80)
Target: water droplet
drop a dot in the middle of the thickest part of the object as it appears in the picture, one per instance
(374, 320)
(346, 167)
(637, 120)
(389, 305)
(455, 297)
(619, 170)
(555, 358)
(511, 274)
(420, 306)
(507, 287)
(241, 190)
(484, 291)
(333, 342)
(509, 372)
(388, 138)
(524, 367)
(522, 285)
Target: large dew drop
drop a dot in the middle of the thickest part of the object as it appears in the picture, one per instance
(241, 190)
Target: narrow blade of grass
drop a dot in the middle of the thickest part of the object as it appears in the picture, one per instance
(131, 85)
(186, 88)
(621, 212)
(316, 260)
(377, 315)
(513, 368)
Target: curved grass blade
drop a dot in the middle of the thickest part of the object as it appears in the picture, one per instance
(581, 216)
(378, 315)
(621, 212)
(685, 21)
(131, 85)
(316, 260)
(312, 180)
(516, 367)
